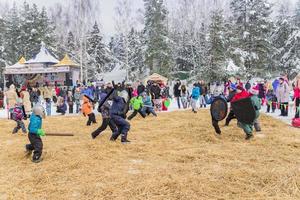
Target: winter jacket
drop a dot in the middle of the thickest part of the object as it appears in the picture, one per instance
(262, 91)
(118, 107)
(257, 104)
(105, 108)
(26, 101)
(241, 95)
(35, 124)
(11, 97)
(196, 93)
(147, 101)
(177, 90)
(18, 114)
(297, 93)
(77, 96)
(270, 96)
(136, 102)
(203, 89)
(34, 97)
(140, 89)
(155, 91)
(283, 93)
(87, 107)
(47, 93)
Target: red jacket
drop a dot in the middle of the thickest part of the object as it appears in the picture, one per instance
(297, 93)
(244, 94)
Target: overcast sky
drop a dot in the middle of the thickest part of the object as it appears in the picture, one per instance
(106, 9)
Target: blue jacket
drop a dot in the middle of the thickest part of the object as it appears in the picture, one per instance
(147, 101)
(196, 93)
(35, 124)
(118, 106)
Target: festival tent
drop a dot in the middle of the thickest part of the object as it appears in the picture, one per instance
(19, 64)
(157, 78)
(43, 68)
(66, 61)
(44, 56)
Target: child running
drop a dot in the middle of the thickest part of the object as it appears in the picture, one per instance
(35, 133)
(194, 97)
(137, 105)
(18, 115)
(106, 121)
(148, 107)
(87, 110)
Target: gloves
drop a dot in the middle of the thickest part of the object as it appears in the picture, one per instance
(41, 133)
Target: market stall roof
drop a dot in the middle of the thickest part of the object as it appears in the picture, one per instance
(19, 64)
(66, 61)
(44, 56)
(157, 77)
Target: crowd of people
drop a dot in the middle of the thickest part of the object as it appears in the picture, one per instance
(277, 94)
(114, 100)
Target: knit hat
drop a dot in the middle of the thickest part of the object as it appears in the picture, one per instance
(39, 110)
(254, 91)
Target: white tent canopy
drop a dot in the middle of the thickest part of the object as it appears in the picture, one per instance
(44, 56)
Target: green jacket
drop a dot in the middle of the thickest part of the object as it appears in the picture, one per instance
(257, 104)
(136, 102)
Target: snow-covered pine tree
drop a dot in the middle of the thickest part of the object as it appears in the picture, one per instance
(216, 68)
(280, 37)
(2, 58)
(97, 53)
(71, 47)
(11, 35)
(157, 41)
(136, 55)
(252, 32)
(291, 49)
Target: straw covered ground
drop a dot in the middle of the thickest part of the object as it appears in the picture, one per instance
(174, 156)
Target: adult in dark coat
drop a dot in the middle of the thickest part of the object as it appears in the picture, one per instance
(177, 92)
(141, 88)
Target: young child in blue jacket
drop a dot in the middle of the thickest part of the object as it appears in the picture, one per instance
(35, 133)
(194, 97)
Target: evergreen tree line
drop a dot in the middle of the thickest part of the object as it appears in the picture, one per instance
(248, 42)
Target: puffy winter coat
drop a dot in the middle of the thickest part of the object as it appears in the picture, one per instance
(147, 101)
(118, 107)
(177, 90)
(283, 93)
(35, 124)
(196, 93)
(136, 102)
(11, 96)
(26, 101)
(241, 95)
(87, 107)
(18, 113)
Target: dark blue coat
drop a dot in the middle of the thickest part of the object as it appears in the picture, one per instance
(118, 106)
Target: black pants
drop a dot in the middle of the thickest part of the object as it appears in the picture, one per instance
(230, 117)
(105, 122)
(92, 119)
(273, 105)
(135, 112)
(71, 108)
(297, 108)
(284, 108)
(36, 145)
